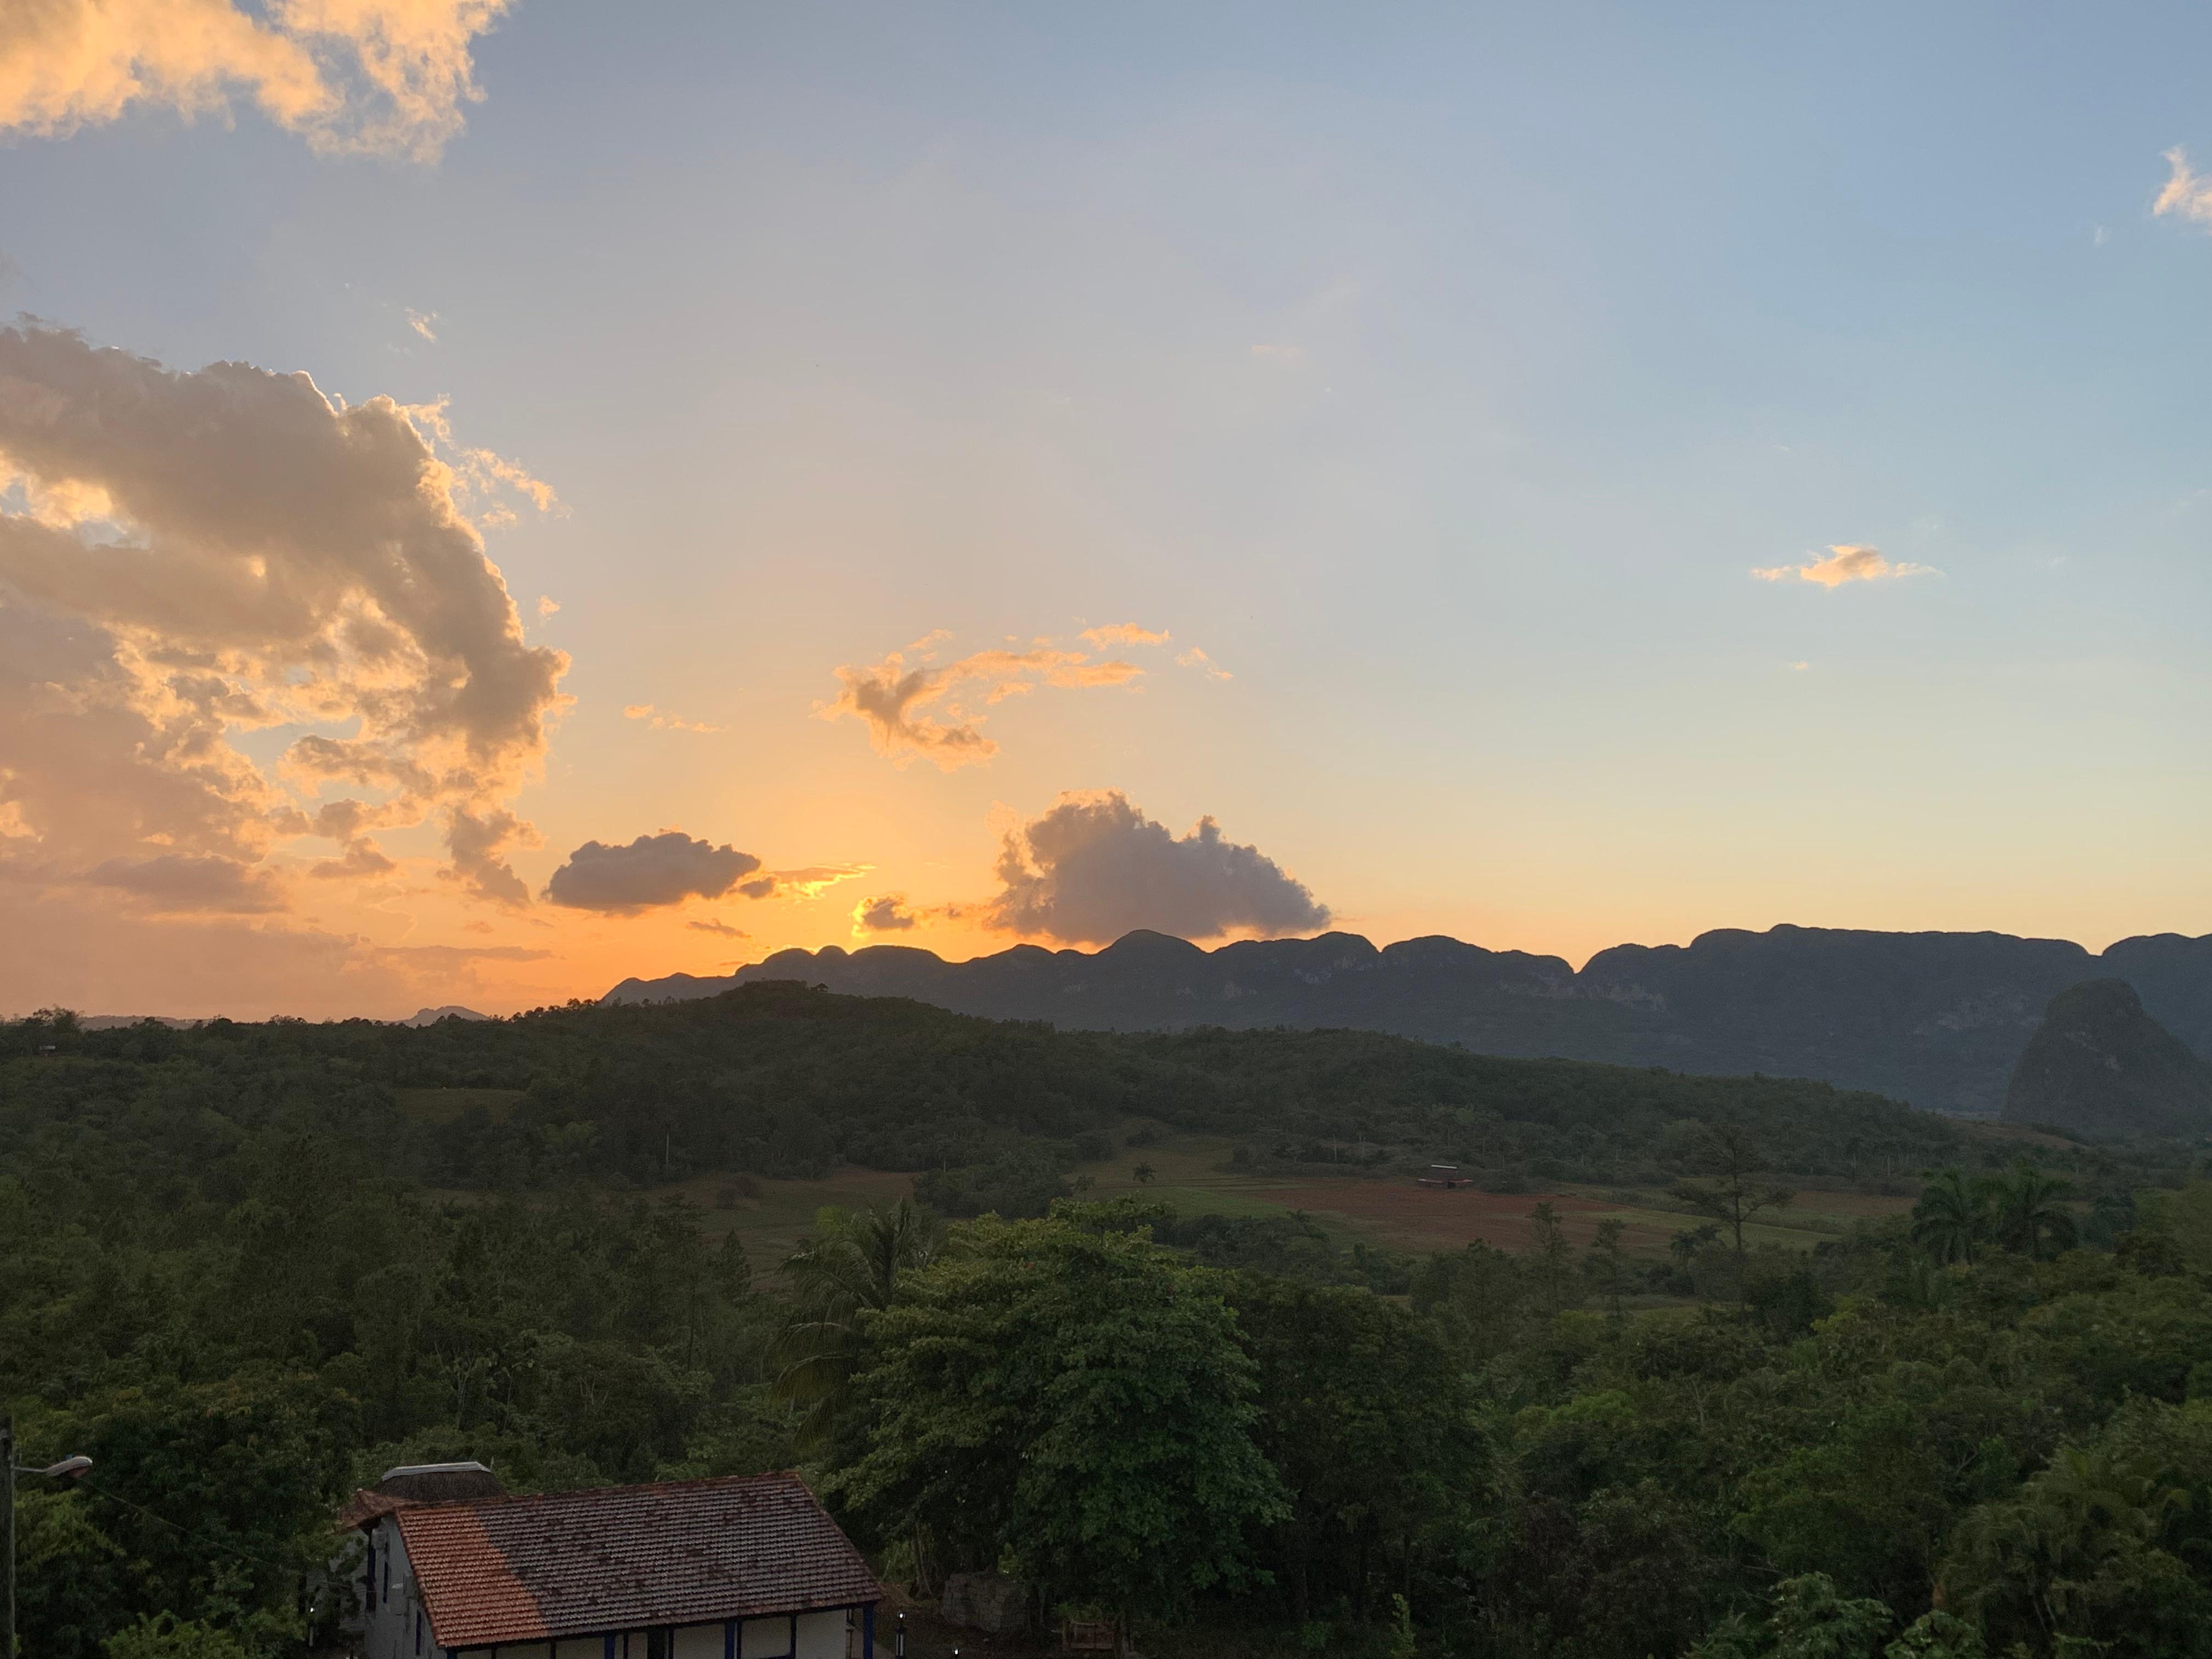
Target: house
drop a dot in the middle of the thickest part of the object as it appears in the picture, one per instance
(744, 1567)
(1444, 1175)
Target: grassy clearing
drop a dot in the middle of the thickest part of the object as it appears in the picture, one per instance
(1191, 1176)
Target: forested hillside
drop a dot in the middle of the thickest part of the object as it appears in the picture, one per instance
(1935, 1019)
(243, 1269)
(778, 1078)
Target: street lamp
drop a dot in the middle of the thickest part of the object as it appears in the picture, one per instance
(70, 1468)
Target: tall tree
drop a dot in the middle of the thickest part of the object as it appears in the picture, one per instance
(1368, 1420)
(853, 1268)
(2027, 1211)
(1075, 1397)
(1732, 1193)
(1607, 1264)
(1551, 1259)
(1952, 1217)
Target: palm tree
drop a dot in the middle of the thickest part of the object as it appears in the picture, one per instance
(2029, 1209)
(853, 1268)
(1952, 1216)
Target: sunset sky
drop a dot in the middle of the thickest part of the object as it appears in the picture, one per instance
(500, 498)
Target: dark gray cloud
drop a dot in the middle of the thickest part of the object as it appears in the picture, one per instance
(1094, 866)
(885, 914)
(648, 874)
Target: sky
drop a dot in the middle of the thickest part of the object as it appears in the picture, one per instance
(502, 497)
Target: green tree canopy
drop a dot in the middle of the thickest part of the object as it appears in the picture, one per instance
(1076, 1397)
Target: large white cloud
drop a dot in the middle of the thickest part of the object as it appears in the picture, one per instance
(1094, 866)
(386, 75)
(186, 557)
(648, 874)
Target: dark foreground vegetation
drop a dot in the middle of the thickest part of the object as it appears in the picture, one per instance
(241, 1274)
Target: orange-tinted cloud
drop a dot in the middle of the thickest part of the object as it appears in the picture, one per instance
(1094, 866)
(1123, 634)
(896, 702)
(1844, 563)
(890, 912)
(390, 76)
(661, 721)
(188, 556)
(810, 882)
(2187, 195)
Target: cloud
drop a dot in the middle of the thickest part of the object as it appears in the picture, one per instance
(2187, 195)
(1094, 866)
(886, 914)
(182, 883)
(387, 76)
(547, 605)
(1844, 563)
(890, 699)
(1197, 659)
(716, 925)
(660, 722)
(890, 912)
(188, 556)
(456, 956)
(420, 321)
(1123, 634)
(649, 873)
(811, 882)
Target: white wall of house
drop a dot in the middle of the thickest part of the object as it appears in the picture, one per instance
(398, 1627)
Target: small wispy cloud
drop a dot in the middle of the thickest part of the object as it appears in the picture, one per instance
(1797, 667)
(890, 912)
(811, 882)
(1197, 659)
(901, 705)
(716, 925)
(1124, 634)
(1844, 563)
(2187, 194)
(658, 721)
(420, 322)
(547, 605)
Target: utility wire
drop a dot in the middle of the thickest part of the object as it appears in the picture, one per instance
(185, 1531)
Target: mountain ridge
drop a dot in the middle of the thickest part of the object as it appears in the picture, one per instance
(1935, 1019)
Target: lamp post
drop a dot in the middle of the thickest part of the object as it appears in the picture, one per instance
(68, 1470)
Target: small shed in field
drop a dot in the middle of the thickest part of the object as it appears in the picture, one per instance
(1444, 1175)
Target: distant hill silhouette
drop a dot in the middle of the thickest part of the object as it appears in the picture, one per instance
(2100, 1066)
(1936, 1019)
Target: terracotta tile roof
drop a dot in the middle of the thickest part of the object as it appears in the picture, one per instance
(365, 1506)
(676, 1552)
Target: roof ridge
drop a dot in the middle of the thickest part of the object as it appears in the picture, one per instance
(491, 1499)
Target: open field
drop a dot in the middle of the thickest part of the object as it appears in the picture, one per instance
(1189, 1174)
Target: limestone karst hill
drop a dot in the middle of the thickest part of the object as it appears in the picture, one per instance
(1937, 1019)
(2098, 1065)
